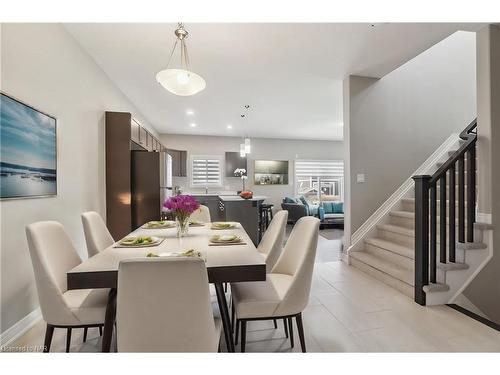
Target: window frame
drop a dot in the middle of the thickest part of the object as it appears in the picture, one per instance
(219, 158)
(339, 178)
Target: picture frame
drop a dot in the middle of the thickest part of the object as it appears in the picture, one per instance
(28, 156)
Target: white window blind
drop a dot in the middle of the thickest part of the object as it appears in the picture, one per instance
(314, 178)
(325, 168)
(206, 171)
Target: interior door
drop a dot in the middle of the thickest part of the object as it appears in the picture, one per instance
(145, 187)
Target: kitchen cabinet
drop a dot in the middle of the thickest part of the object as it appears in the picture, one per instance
(179, 162)
(234, 161)
(125, 135)
(134, 131)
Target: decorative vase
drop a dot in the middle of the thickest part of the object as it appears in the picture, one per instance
(182, 226)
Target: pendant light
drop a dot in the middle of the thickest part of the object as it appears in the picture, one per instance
(183, 81)
(246, 145)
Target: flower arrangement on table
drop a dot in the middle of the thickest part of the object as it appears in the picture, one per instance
(241, 173)
(182, 206)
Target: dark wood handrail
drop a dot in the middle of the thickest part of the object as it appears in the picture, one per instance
(426, 211)
(469, 137)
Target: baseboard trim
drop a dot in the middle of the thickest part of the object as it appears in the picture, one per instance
(474, 316)
(18, 329)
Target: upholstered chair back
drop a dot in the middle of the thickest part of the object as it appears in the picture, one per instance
(52, 256)
(297, 260)
(272, 241)
(202, 214)
(164, 305)
(97, 234)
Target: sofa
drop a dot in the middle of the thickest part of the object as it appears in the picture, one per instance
(298, 207)
(331, 212)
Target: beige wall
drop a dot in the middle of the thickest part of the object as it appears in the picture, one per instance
(42, 65)
(484, 291)
(262, 149)
(397, 121)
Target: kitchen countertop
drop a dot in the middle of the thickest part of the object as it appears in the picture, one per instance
(236, 198)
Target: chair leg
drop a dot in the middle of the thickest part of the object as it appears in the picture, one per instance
(233, 317)
(290, 330)
(100, 330)
(68, 340)
(85, 330)
(300, 328)
(49, 332)
(237, 331)
(275, 324)
(225, 287)
(285, 324)
(243, 335)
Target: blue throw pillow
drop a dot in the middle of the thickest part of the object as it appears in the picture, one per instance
(304, 200)
(338, 207)
(328, 207)
(290, 200)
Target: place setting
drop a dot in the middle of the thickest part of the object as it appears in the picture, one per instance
(223, 225)
(225, 240)
(159, 224)
(139, 241)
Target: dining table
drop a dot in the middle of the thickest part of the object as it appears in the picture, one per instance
(225, 263)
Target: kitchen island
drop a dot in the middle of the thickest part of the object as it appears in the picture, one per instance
(234, 208)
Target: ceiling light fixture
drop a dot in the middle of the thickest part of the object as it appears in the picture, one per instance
(189, 112)
(246, 145)
(183, 81)
(193, 125)
(229, 126)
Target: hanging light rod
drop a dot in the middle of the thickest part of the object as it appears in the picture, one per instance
(183, 81)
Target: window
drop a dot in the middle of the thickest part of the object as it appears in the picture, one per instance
(317, 178)
(206, 171)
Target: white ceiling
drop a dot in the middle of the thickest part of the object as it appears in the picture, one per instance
(290, 74)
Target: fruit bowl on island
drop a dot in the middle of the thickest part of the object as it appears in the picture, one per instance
(246, 194)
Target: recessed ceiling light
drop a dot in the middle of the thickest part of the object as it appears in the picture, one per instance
(229, 126)
(189, 112)
(193, 125)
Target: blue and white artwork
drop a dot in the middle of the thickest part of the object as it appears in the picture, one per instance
(28, 153)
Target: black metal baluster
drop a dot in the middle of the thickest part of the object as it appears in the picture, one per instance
(471, 193)
(442, 219)
(421, 236)
(461, 199)
(433, 239)
(451, 216)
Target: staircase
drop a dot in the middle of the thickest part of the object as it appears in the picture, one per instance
(401, 244)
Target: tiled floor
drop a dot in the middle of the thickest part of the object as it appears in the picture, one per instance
(348, 312)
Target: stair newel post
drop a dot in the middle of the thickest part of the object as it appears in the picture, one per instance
(471, 192)
(422, 184)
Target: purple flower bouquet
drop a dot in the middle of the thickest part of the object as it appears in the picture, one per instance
(182, 206)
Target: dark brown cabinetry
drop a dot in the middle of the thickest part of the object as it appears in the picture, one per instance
(234, 161)
(124, 135)
(179, 162)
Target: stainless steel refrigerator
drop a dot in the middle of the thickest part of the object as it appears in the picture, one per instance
(151, 185)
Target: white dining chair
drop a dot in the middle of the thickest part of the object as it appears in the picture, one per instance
(272, 242)
(163, 305)
(201, 214)
(53, 255)
(97, 235)
(285, 293)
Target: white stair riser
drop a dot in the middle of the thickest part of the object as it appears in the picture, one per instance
(397, 238)
(389, 256)
(404, 288)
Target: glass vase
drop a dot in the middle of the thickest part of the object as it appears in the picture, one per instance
(182, 226)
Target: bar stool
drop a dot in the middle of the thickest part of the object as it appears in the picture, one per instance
(265, 217)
